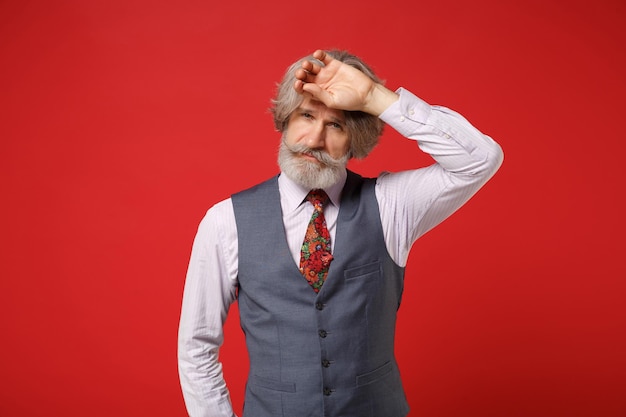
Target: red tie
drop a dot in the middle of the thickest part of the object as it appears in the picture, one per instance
(315, 256)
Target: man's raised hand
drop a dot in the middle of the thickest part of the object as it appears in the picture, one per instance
(341, 86)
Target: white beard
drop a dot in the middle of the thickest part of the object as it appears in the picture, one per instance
(310, 174)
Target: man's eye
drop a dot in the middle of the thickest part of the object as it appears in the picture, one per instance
(306, 115)
(335, 125)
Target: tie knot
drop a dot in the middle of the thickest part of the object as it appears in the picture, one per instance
(318, 198)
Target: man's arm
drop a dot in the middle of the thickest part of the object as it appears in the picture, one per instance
(413, 202)
(209, 290)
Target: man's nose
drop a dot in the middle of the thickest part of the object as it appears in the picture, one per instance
(316, 136)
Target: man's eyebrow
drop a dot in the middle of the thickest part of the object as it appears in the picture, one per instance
(301, 109)
(305, 110)
(338, 120)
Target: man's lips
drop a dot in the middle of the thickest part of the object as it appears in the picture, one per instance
(308, 156)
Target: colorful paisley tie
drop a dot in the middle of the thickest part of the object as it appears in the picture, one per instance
(315, 257)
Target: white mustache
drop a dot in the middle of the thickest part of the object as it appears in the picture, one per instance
(321, 156)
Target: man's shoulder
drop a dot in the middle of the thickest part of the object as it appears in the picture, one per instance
(219, 210)
(259, 187)
(357, 180)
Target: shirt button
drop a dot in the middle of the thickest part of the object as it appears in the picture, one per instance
(325, 363)
(319, 306)
(411, 112)
(327, 391)
(402, 118)
(322, 333)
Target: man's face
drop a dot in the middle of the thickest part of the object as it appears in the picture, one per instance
(315, 145)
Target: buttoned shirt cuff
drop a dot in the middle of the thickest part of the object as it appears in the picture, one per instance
(404, 114)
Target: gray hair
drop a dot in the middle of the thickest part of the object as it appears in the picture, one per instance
(364, 129)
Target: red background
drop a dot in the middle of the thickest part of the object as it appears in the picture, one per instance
(122, 122)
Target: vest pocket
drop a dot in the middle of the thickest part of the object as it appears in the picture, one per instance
(272, 384)
(370, 270)
(374, 375)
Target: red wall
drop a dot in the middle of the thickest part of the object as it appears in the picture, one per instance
(122, 122)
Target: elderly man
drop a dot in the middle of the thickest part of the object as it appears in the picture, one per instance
(316, 255)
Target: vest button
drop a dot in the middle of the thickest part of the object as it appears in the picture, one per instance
(322, 333)
(327, 391)
(319, 306)
(325, 363)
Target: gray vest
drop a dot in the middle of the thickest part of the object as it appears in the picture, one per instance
(326, 354)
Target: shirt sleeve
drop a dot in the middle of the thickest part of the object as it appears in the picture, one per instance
(413, 202)
(210, 289)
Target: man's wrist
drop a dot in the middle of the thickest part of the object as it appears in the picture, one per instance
(380, 98)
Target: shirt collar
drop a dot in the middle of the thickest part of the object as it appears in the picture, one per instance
(293, 194)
